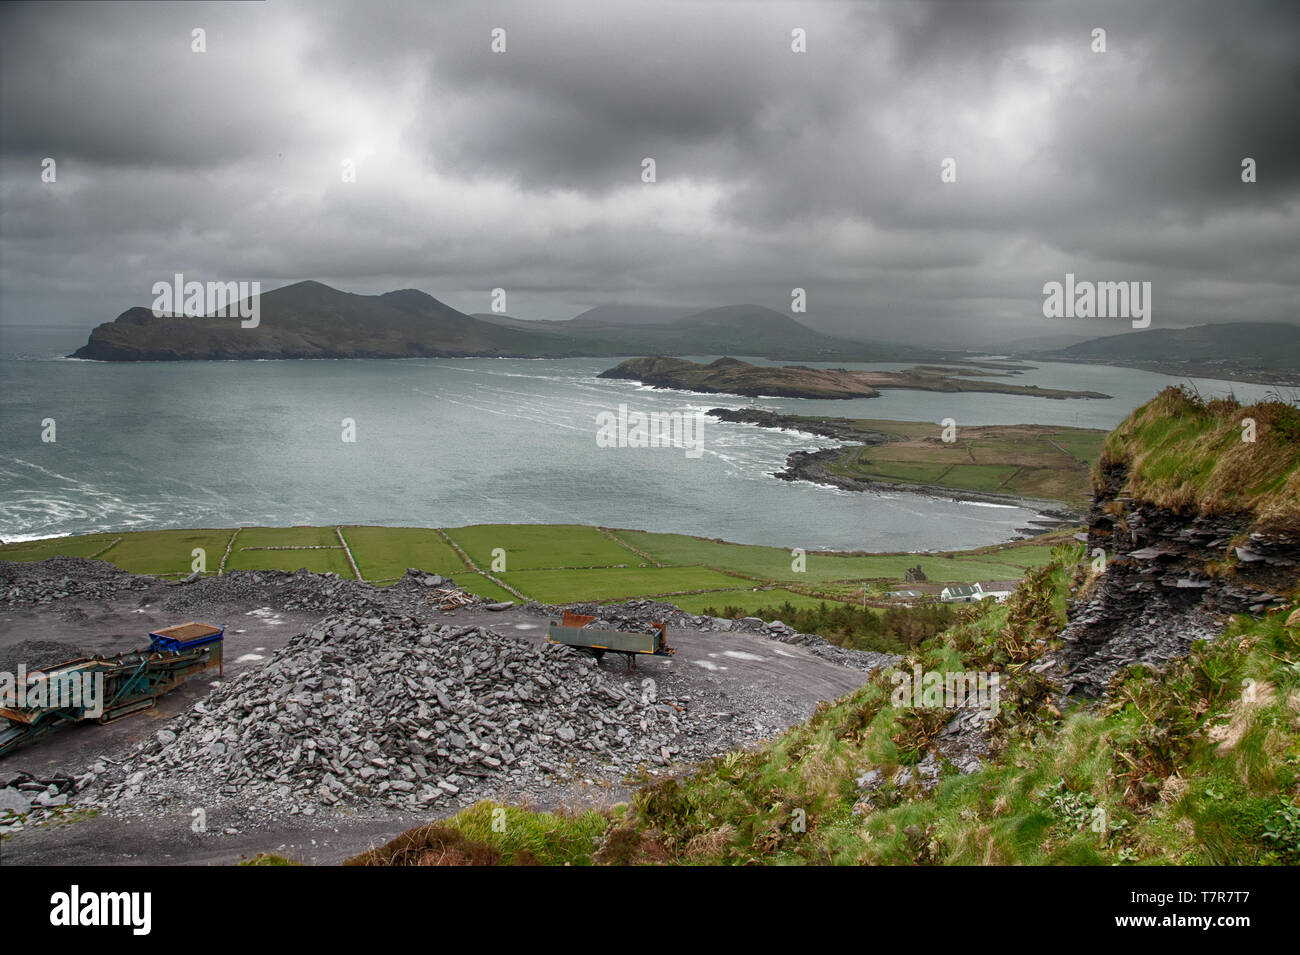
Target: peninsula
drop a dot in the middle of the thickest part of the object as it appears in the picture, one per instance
(1040, 467)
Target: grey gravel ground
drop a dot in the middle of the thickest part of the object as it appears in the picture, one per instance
(347, 713)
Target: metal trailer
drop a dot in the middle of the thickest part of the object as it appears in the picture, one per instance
(571, 633)
(129, 682)
(186, 636)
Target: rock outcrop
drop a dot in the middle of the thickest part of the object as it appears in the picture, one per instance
(1170, 579)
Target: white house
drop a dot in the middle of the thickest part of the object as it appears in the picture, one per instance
(961, 593)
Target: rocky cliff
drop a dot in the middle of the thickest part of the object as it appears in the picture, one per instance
(1189, 525)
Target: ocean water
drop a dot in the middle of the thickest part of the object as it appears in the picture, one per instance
(448, 442)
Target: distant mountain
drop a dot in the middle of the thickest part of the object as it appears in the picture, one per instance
(1267, 343)
(1272, 349)
(313, 320)
(1037, 343)
(532, 326)
(748, 330)
(631, 315)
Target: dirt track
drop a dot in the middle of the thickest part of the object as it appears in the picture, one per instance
(736, 676)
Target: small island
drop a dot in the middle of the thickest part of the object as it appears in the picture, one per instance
(735, 377)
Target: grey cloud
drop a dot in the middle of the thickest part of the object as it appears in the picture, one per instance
(824, 167)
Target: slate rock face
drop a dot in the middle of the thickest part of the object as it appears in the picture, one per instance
(1170, 580)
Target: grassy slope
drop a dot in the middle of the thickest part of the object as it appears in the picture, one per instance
(1195, 763)
(1186, 454)
(252, 537)
(87, 545)
(484, 834)
(1183, 767)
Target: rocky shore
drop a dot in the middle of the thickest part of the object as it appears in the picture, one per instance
(814, 466)
(838, 428)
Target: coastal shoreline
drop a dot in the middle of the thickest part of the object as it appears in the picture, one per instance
(813, 467)
(809, 466)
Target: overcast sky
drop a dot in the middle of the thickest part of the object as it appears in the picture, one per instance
(775, 169)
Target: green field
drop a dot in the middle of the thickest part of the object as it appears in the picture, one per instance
(1035, 461)
(608, 583)
(891, 470)
(332, 561)
(551, 563)
(541, 546)
(478, 584)
(168, 552)
(85, 546)
(774, 563)
(750, 600)
(980, 477)
(1023, 555)
(383, 553)
(1082, 444)
(286, 536)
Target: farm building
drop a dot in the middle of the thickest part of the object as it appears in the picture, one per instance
(961, 593)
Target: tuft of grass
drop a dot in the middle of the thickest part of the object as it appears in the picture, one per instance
(1185, 453)
(491, 834)
(267, 858)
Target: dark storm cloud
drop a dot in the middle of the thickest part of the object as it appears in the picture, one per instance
(117, 84)
(584, 91)
(522, 170)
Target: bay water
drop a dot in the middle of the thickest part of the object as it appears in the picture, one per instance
(449, 442)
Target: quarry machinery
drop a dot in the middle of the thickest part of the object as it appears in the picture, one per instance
(573, 631)
(105, 688)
